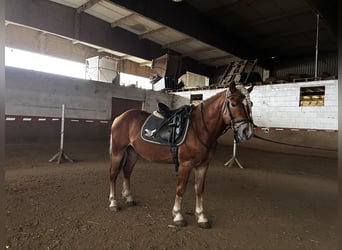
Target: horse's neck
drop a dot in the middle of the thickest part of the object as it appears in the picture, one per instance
(210, 118)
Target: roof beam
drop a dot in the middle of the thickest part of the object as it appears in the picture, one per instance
(178, 42)
(86, 6)
(198, 51)
(122, 20)
(152, 32)
(146, 64)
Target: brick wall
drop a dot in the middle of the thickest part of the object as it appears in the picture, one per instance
(277, 105)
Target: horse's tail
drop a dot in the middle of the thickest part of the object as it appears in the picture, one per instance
(110, 146)
(124, 158)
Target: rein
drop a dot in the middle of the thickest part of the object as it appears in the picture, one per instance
(202, 115)
(205, 127)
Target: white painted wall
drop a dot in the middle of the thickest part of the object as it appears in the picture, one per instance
(277, 105)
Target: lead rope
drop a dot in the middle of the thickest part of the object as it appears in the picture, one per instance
(293, 145)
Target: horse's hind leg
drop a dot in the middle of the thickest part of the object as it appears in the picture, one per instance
(131, 159)
(117, 160)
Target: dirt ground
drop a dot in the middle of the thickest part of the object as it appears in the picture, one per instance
(278, 201)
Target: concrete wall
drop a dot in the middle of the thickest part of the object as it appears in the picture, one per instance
(277, 105)
(31, 93)
(36, 94)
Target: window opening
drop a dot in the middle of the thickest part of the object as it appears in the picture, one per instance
(196, 99)
(312, 96)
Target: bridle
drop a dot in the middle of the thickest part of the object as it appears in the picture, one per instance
(233, 123)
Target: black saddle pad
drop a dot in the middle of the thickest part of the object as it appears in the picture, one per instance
(167, 132)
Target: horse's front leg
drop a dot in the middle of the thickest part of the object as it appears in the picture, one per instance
(183, 177)
(200, 175)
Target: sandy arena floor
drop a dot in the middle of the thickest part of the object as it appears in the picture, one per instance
(279, 201)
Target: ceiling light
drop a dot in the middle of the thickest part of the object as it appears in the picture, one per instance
(177, 1)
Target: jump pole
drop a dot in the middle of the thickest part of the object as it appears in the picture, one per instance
(61, 154)
(234, 158)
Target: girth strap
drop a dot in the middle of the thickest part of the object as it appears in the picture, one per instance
(174, 151)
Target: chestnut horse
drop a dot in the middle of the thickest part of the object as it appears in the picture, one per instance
(230, 108)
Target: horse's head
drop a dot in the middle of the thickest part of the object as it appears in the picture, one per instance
(238, 112)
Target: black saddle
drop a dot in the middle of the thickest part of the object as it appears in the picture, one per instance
(166, 111)
(167, 127)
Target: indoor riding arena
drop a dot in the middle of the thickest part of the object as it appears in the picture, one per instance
(246, 156)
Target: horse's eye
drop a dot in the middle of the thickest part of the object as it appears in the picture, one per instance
(233, 104)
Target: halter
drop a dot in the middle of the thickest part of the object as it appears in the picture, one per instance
(236, 124)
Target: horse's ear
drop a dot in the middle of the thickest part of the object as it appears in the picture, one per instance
(250, 89)
(232, 87)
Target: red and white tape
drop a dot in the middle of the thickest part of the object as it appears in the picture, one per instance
(51, 119)
(266, 130)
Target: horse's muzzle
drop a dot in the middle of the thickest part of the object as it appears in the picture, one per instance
(244, 132)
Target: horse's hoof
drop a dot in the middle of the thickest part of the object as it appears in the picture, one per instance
(114, 208)
(131, 203)
(204, 225)
(180, 223)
